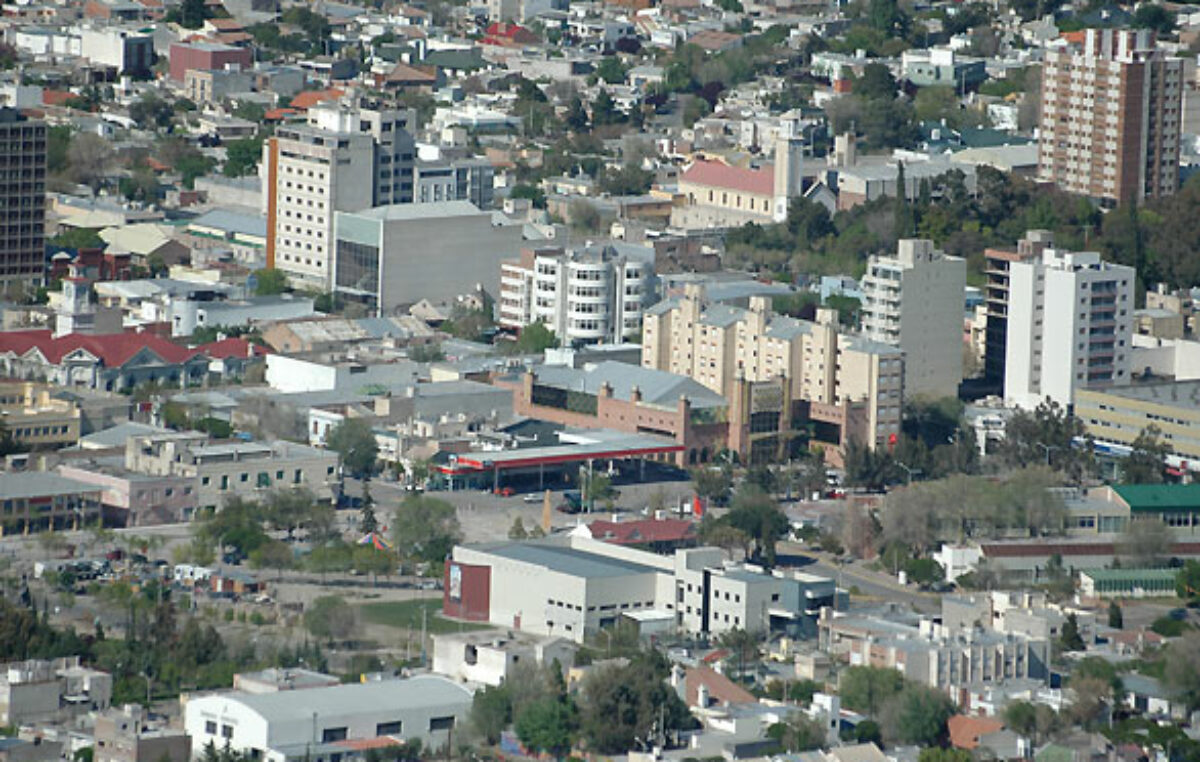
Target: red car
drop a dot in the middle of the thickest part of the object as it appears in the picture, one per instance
(505, 491)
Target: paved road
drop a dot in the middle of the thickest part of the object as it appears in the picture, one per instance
(874, 585)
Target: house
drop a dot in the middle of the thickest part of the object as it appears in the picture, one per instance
(507, 35)
(489, 659)
(111, 362)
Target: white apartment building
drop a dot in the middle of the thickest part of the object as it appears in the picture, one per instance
(345, 158)
(916, 301)
(591, 295)
(1070, 326)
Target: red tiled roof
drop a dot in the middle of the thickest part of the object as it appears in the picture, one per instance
(642, 531)
(227, 25)
(712, 657)
(56, 97)
(279, 114)
(402, 72)
(114, 349)
(365, 744)
(721, 690)
(714, 174)
(965, 731)
(231, 347)
(310, 98)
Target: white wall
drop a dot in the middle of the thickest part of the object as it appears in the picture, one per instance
(288, 374)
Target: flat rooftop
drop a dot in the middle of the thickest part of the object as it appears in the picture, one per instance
(27, 484)
(565, 560)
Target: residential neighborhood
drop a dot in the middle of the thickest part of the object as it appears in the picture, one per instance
(646, 380)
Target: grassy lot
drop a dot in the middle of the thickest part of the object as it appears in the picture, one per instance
(407, 615)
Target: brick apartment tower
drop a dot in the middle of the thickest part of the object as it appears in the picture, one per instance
(1110, 122)
(22, 200)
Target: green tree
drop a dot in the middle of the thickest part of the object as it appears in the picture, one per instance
(800, 733)
(1116, 617)
(242, 157)
(535, 338)
(273, 554)
(151, 112)
(192, 14)
(611, 70)
(1187, 580)
(269, 281)
(547, 725)
(630, 706)
(1071, 639)
(425, 528)
(939, 754)
(1154, 16)
(917, 715)
(491, 712)
(355, 444)
(517, 531)
(330, 618)
(758, 515)
(713, 484)
(867, 689)
(1146, 541)
(1147, 457)
(237, 525)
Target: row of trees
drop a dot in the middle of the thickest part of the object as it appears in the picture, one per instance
(617, 708)
(904, 712)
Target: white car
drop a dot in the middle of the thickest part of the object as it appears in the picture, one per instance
(532, 497)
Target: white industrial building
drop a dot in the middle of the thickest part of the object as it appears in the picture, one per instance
(916, 301)
(588, 295)
(572, 587)
(323, 724)
(488, 658)
(1070, 326)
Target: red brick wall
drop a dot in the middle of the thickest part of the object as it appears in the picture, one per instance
(473, 601)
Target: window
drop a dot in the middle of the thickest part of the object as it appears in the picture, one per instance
(210, 727)
(389, 728)
(441, 723)
(329, 735)
(226, 731)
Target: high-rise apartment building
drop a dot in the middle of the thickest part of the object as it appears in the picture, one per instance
(22, 200)
(996, 331)
(590, 295)
(916, 301)
(1111, 112)
(851, 388)
(345, 158)
(1070, 326)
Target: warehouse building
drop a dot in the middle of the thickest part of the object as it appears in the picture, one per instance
(328, 724)
(572, 587)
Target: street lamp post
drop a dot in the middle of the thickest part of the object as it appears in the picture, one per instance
(909, 471)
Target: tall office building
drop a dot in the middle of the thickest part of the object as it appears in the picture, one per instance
(1111, 111)
(346, 158)
(589, 295)
(999, 261)
(916, 301)
(22, 200)
(1070, 326)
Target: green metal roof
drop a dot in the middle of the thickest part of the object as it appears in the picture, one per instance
(1136, 575)
(1160, 498)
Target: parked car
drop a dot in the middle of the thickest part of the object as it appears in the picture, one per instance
(532, 497)
(505, 491)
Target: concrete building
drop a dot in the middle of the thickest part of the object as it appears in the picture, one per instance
(324, 724)
(942, 67)
(1070, 326)
(23, 199)
(572, 587)
(35, 419)
(39, 691)
(454, 179)
(130, 499)
(588, 295)
(844, 382)
(916, 301)
(1115, 417)
(392, 257)
(36, 501)
(998, 262)
(206, 55)
(1110, 117)
(274, 680)
(126, 735)
(483, 658)
(951, 659)
(220, 470)
(345, 158)
(128, 51)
